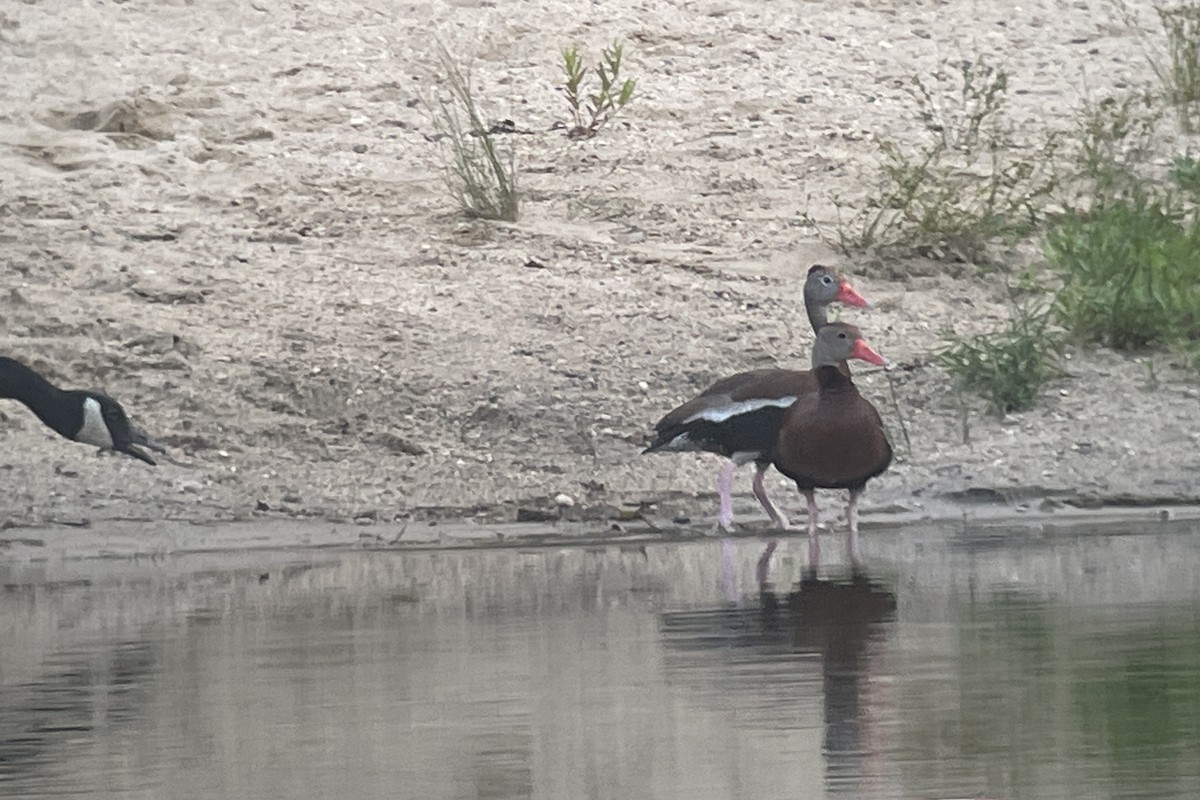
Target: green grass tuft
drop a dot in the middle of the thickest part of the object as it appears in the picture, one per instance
(481, 180)
(1008, 367)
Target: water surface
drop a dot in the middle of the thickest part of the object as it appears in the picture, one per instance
(988, 663)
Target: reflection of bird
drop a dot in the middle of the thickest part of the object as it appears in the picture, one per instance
(78, 415)
(837, 620)
(738, 417)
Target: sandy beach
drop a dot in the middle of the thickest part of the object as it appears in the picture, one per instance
(230, 216)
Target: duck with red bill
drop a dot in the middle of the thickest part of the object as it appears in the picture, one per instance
(832, 438)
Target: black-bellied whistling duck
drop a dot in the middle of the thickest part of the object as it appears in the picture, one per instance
(832, 438)
(739, 416)
(81, 416)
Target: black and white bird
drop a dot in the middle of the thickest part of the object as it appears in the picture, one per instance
(81, 416)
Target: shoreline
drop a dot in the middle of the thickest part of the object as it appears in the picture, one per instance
(126, 540)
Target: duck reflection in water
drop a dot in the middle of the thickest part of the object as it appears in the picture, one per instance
(840, 621)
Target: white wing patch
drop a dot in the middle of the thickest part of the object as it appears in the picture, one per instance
(680, 444)
(94, 431)
(723, 413)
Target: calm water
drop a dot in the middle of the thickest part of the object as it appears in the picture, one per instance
(988, 663)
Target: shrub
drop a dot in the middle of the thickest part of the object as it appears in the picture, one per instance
(969, 183)
(1131, 272)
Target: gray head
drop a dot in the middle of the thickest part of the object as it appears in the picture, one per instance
(841, 341)
(824, 286)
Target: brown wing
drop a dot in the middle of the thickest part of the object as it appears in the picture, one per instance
(759, 384)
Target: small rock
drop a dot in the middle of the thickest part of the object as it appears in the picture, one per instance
(564, 500)
(261, 506)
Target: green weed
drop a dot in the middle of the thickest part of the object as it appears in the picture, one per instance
(592, 111)
(968, 184)
(1114, 141)
(1008, 367)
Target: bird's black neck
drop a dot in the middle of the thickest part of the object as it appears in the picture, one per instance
(834, 377)
(60, 410)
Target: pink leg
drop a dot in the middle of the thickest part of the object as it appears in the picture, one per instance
(814, 545)
(852, 518)
(725, 495)
(764, 565)
(778, 520)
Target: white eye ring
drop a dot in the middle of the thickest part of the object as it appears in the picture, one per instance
(826, 280)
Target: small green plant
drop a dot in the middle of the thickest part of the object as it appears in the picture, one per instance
(1131, 273)
(968, 184)
(1008, 367)
(590, 112)
(478, 177)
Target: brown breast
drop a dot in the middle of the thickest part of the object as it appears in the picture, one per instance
(832, 438)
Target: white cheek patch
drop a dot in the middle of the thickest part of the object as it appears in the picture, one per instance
(94, 431)
(723, 413)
